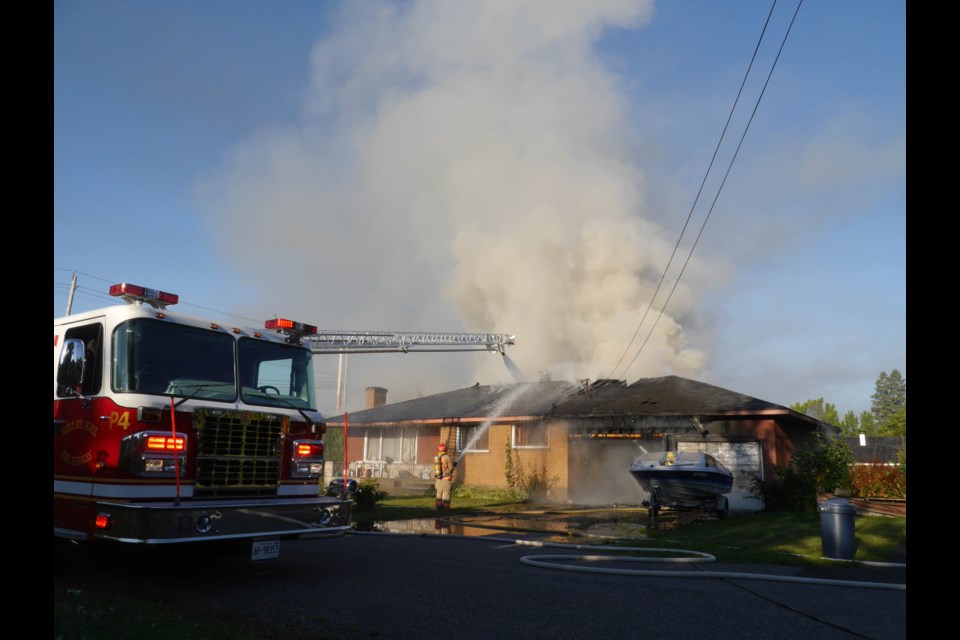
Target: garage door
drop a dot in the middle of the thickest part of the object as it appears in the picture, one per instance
(744, 460)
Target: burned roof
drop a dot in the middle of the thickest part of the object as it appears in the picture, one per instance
(668, 395)
(665, 396)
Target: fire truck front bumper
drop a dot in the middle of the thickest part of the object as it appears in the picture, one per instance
(196, 521)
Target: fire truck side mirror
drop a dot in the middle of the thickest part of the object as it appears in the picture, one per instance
(70, 370)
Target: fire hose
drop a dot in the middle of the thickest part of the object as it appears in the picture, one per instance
(560, 562)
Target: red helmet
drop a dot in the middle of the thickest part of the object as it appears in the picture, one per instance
(442, 446)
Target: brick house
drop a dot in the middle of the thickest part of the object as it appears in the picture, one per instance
(578, 440)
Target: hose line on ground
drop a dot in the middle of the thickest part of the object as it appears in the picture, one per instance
(547, 561)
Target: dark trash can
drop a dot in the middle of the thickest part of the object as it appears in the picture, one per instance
(837, 528)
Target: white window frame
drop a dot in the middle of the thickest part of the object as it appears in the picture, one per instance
(463, 439)
(371, 443)
(513, 438)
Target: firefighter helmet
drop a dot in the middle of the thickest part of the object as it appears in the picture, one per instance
(442, 446)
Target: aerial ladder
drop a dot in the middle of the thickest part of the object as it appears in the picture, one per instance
(347, 342)
(329, 341)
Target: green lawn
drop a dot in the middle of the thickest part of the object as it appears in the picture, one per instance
(779, 537)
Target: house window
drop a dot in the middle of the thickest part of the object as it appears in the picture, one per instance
(391, 445)
(530, 435)
(475, 438)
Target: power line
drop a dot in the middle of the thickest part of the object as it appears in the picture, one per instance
(98, 295)
(716, 195)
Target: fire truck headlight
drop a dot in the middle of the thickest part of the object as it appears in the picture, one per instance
(153, 465)
(170, 465)
(167, 466)
(310, 468)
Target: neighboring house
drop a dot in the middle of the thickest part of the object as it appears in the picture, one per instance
(869, 450)
(578, 439)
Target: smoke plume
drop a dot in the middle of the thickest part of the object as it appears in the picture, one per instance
(462, 166)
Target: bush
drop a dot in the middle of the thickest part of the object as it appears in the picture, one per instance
(790, 490)
(826, 462)
(368, 495)
(878, 480)
(821, 465)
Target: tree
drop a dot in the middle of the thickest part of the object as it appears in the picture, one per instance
(851, 424)
(896, 425)
(826, 462)
(867, 424)
(819, 410)
(890, 403)
(333, 444)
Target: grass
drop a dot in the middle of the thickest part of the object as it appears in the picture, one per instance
(778, 537)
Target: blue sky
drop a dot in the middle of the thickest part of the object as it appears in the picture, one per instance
(512, 167)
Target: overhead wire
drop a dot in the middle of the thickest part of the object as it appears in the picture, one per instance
(98, 295)
(700, 191)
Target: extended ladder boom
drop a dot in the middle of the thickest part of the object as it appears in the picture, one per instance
(329, 341)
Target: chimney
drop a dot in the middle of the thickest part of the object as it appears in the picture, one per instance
(376, 397)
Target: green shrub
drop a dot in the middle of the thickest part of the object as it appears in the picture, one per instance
(368, 495)
(790, 490)
(820, 466)
(825, 461)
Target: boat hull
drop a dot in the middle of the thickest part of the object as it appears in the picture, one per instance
(682, 479)
(683, 486)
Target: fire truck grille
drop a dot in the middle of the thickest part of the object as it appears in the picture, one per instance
(238, 453)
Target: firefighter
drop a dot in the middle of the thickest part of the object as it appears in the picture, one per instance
(443, 467)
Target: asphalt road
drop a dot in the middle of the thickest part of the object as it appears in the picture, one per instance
(412, 587)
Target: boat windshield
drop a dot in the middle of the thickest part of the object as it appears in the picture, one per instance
(679, 458)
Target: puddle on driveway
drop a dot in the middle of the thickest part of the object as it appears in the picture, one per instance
(553, 525)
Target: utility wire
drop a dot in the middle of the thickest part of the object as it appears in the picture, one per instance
(719, 189)
(696, 200)
(96, 294)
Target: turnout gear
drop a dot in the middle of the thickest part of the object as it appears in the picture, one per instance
(443, 468)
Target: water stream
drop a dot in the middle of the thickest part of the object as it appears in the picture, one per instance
(505, 403)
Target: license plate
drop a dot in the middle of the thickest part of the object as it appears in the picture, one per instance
(265, 549)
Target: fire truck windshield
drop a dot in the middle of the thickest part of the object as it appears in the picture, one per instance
(162, 358)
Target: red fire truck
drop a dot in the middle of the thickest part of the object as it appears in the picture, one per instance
(173, 429)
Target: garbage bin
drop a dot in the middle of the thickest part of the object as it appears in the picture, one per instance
(837, 528)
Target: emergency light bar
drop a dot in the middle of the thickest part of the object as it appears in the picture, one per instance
(290, 327)
(135, 294)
